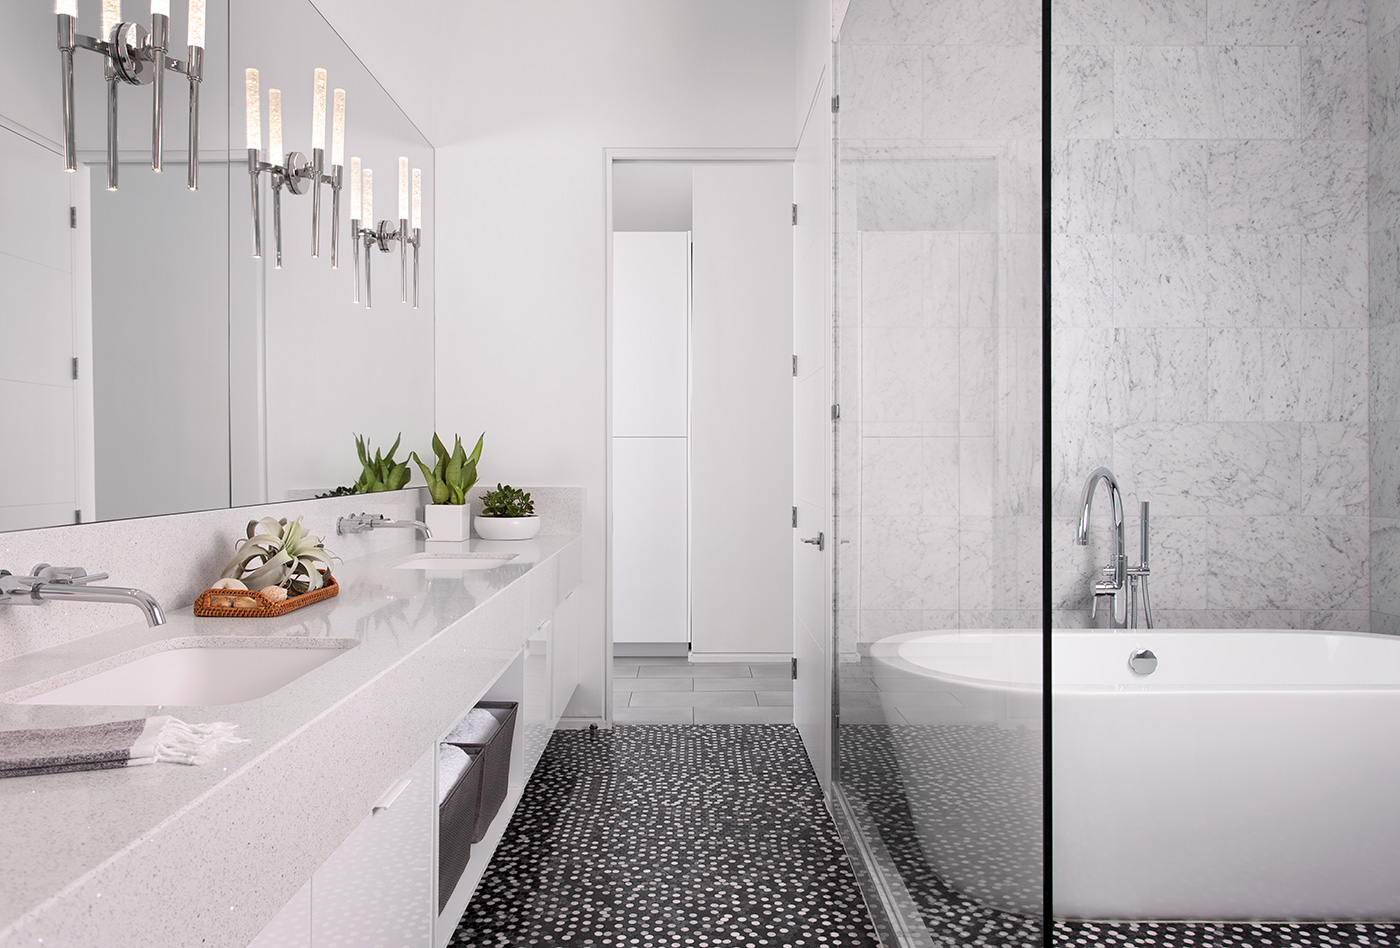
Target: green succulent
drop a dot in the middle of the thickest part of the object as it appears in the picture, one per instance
(454, 474)
(507, 501)
(380, 473)
(279, 553)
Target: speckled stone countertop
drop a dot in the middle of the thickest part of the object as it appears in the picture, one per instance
(175, 855)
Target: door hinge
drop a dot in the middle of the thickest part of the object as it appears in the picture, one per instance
(835, 412)
(794, 668)
(794, 518)
(78, 516)
(794, 214)
(73, 217)
(794, 366)
(836, 103)
(75, 368)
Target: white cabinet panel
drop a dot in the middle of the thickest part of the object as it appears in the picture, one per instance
(534, 710)
(650, 573)
(651, 302)
(563, 657)
(376, 890)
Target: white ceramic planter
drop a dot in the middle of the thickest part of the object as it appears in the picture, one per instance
(507, 528)
(450, 522)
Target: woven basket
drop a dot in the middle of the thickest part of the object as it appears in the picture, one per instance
(495, 777)
(457, 816)
(266, 608)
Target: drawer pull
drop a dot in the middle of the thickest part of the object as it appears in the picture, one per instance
(390, 795)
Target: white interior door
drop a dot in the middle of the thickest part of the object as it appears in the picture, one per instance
(812, 434)
(741, 411)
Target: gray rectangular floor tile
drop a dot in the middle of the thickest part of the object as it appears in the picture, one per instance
(742, 684)
(743, 715)
(656, 684)
(651, 660)
(692, 699)
(694, 670)
(653, 715)
(624, 670)
(771, 669)
(774, 699)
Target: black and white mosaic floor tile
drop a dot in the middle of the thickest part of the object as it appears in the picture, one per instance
(874, 761)
(1223, 935)
(655, 835)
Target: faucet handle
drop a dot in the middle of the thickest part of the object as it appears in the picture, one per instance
(68, 575)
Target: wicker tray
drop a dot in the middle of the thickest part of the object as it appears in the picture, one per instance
(266, 608)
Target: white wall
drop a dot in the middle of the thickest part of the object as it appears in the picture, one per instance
(540, 89)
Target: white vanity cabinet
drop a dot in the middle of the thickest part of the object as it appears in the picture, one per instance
(376, 889)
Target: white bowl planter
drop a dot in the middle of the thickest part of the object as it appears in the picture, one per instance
(507, 528)
(450, 522)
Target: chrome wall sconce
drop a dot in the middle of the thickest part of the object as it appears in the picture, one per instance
(384, 233)
(135, 56)
(292, 170)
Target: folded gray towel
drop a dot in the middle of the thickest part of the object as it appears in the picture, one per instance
(477, 727)
(111, 745)
(452, 763)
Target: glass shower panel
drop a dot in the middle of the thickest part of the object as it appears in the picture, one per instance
(939, 327)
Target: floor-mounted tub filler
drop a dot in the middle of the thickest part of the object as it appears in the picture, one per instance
(1211, 774)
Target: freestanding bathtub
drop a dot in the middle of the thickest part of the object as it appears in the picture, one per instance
(1252, 775)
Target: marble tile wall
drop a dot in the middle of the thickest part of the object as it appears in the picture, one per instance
(1384, 285)
(938, 317)
(1211, 319)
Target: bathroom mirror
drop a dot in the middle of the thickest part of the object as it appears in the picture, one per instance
(158, 366)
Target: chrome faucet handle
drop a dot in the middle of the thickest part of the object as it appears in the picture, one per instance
(68, 575)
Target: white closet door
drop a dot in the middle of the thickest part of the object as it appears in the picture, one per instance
(741, 410)
(651, 307)
(650, 582)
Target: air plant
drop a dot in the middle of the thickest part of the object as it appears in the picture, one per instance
(380, 472)
(454, 474)
(279, 553)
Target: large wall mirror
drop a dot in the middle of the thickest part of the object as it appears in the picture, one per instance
(150, 363)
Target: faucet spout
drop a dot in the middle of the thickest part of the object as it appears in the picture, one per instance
(1118, 568)
(359, 523)
(74, 584)
(142, 600)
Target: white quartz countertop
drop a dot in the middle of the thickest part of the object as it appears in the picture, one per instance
(176, 855)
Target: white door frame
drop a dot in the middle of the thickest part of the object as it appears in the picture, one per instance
(610, 156)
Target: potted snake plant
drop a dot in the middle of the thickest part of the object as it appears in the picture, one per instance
(507, 513)
(449, 516)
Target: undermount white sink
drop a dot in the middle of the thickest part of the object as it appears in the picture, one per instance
(457, 561)
(184, 674)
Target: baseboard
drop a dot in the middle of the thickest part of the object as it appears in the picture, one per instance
(578, 724)
(650, 649)
(747, 657)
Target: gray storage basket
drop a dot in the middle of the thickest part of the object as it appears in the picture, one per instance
(495, 751)
(457, 815)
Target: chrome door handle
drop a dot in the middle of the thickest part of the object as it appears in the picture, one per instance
(818, 541)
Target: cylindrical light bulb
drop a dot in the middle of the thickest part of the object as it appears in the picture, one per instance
(111, 16)
(368, 198)
(250, 83)
(162, 7)
(417, 198)
(338, 129)
(403, 189)
(66, 8)
(274, 126)
(318, 111)
(197, 23)
(354, 189)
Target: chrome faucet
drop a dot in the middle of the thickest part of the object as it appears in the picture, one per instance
(359, 523)
(1117, 570)
(45, 583)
